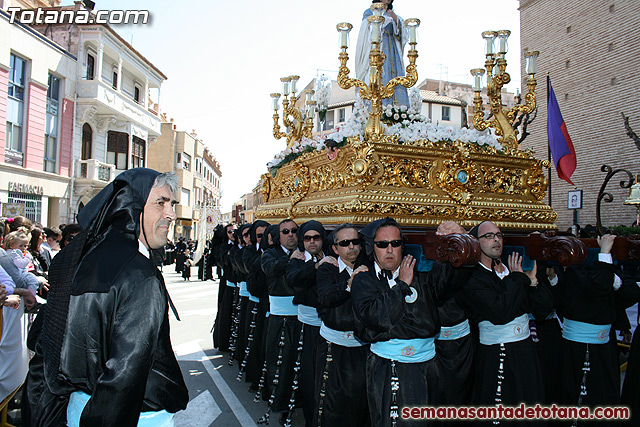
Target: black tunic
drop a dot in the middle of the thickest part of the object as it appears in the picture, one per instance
(499, 301)
(382, 313)
(280, 328)
(588, 296)
(223, 322)
(301, 276)
(345, 400)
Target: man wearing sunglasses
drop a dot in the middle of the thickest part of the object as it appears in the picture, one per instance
(283, 328)
(342, 379)
(223, 323)
(249, 255)
(395, 310)
(499, 299)
(301, 275)
(241, 298)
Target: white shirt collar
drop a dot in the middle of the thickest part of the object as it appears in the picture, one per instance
(502, 275)
(342, 266)
(286, 251)
(391, 281)
(231, 242)
(143, 249)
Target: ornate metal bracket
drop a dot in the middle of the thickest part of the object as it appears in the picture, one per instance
(607, 197)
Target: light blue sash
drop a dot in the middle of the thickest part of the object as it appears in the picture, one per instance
(585, 332)
(78, 400)
(231, 284)
(343, 338)
(450, 333)
(416, 350)
(516, 330)
(243, 289)
(253, 299)
(308, 315)
(282, 306)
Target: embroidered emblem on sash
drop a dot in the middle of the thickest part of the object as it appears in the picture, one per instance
(408, 351)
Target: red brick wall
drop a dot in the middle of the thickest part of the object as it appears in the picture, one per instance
(4, 86)
(36, 116)
(66, 137)
(600, 80)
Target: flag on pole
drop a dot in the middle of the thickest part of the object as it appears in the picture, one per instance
(562, 151)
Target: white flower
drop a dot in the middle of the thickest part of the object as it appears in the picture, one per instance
(396, 116)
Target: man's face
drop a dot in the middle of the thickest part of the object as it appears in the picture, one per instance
(230, 230)
(490, 245)
(260, 233)
(288, 236)
(158, 214)
(388, 258)
(246, 236)
(350, 252)
(312, 242)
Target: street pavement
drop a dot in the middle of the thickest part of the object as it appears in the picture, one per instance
(216, 398)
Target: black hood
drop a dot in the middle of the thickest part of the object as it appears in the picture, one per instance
(369, 231)
(240, 231)
(252, 230)
(264, 243)
(311, 225)
(119, 204)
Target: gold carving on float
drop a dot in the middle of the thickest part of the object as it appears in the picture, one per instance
(420, 183)
(459, 177)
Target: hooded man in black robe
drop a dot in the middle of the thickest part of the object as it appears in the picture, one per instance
(283, 328)
(254, 317)
(589, 294)
(301, 276)
(342, 358)
(499, 300)
(226, 291)
(395, 311)
(104, 356)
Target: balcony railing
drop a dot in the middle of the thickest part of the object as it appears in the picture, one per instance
(94, 170)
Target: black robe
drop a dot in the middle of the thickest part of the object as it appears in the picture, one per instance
(254, 327)
(588, 296)
(499, 301)
(283, 330)
(301, 276)
(345, 397)
(224, 318)
(119, 351)
(235, 256)
(382, 313)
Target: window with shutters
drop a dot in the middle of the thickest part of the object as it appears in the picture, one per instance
(117, 149)
(138, 147)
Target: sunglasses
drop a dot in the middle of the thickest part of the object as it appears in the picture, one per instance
(259, 236)
(316, 238)
(491, 236)
(347, 242)
(287, 231)
(382, 244)
(246, 234)
(230, 232)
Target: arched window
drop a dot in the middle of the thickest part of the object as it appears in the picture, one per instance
(87, 138)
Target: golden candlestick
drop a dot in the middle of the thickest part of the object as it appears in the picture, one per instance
(296, 124)
(503, 118)
(375, 91)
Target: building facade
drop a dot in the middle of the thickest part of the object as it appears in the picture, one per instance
(591, 51)
(80, 105)
(37, 107)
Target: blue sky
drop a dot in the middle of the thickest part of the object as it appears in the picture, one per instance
(223, 59)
